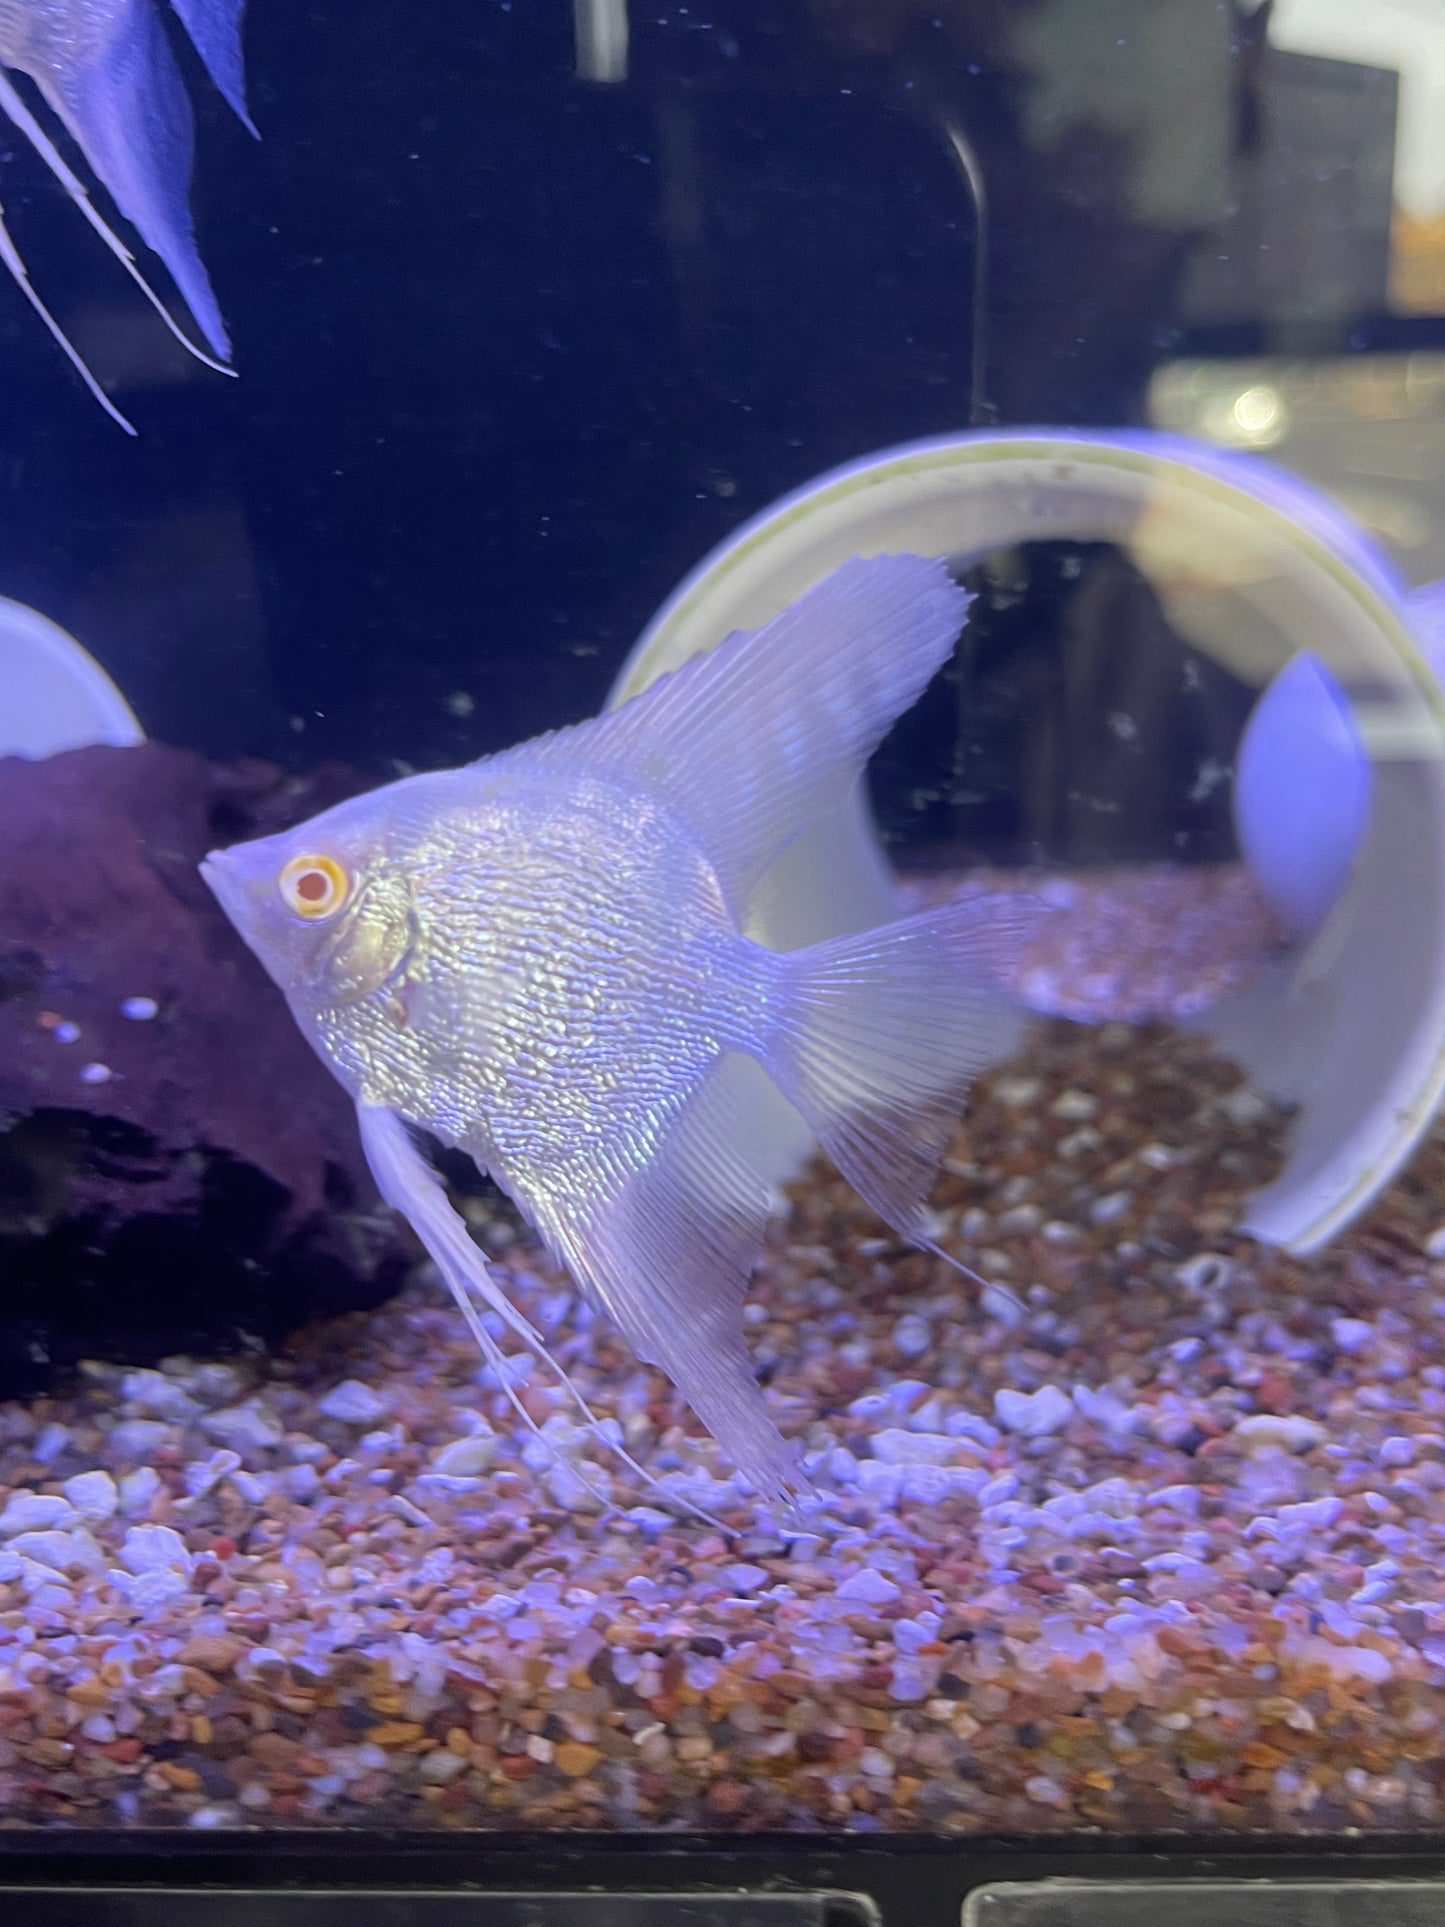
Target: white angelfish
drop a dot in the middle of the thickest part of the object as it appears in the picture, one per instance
(106, 69)
(539, 958)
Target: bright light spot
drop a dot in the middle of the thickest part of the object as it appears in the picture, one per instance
(1256, 411)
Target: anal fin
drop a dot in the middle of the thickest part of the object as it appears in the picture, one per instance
(665, 1239)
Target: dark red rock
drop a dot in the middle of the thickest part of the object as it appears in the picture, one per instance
(212, 1183)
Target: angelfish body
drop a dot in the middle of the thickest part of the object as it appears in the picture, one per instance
(539, 958)
(107, 70)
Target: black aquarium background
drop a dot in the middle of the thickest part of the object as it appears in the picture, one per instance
(517, 346)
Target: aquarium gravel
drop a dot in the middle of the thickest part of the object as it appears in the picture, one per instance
(1133, 941)
(1159, 1550)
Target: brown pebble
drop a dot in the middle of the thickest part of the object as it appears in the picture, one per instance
(90, 1692)
(396, 1733)
(576, 1759)
(211, 1653)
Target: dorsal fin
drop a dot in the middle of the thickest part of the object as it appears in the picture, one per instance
(750, 742)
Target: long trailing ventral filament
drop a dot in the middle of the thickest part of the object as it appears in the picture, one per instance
(10, 255)
(107, 71)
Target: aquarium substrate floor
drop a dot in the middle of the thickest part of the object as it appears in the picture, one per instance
(1164, 1552)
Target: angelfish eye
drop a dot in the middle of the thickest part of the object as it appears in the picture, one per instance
(314, 887)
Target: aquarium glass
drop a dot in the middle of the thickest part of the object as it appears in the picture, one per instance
(855, 1242)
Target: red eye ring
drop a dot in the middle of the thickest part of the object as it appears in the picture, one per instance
(314, 887)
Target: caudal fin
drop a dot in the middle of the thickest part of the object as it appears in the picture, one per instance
(877, 1038)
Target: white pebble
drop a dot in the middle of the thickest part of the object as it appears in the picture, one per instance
(910, 1682)
(140, 1010)
(218, 1813)
(881, 1483)
(912, 1336)
(1347, 1662)
(930, 1484)
(1110, 1208)
(253, 1489)
(137, 1490)
(1159, 1157)
(202, 1474)
(1244, 1106)
(96, 1074)
(66, 1033)
(59, 1550)
(1351, 1334)
(1045, 1792)
(1178, 1498)
(33, 1512)
(1015, 1092)
(139, 1439)
(299, 1482)
(1208, 1272)
(442, 1766)
(248, 1427)
(153, 1590)
(1109, 1413)
(930, 1417)
(1018, 1222)
(352, 1402)
(743, 1578)
(968, 1425)
(998, 1303)
(869, 1587)
(154, 1549)
(1396, 1451)
(93, 1494)
(1074, 1106)
(466, 1458)
(54, 1440)
(897, 1447)
(1435, 1243)
(1032, 1414)
(151, 1394)
(1294, 1433)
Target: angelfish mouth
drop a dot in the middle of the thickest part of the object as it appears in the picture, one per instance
(224, 884)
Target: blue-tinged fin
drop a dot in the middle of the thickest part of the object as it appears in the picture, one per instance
(878, 1036)
(1301, 793)
(662, 1227)
(411, 1185)
(126, 106)
(215, 30)
(750, 742)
